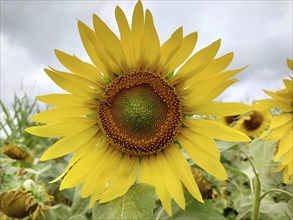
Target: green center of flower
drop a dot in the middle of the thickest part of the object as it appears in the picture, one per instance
(139, 110)
(140, 113)
(254, 122)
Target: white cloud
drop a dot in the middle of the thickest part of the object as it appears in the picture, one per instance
(259, 32)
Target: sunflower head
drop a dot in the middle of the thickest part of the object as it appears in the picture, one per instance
(254, 122)
(14, 152)
(124, 116)
(281, 126)
(17, 203)
(140, 113)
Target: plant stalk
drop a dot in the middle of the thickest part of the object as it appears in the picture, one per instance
(257, 192)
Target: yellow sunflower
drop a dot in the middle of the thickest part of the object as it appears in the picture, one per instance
(281, 126)
(127, 117)
(255, 122)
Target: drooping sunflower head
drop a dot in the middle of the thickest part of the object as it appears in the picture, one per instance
(125, 115)
(254, 122)
(281, 126)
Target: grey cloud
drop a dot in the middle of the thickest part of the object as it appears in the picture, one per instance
(259, 32)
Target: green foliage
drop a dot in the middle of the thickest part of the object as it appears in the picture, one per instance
(30, 174)
(79, 205)
(137, 203)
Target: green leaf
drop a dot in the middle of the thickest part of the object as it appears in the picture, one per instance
(137, 203)
(263, 153)
(198, 211)
(79, 205)
(224, 146)
(272, 210)
(77, 217)
(60, 211)
(290, 206)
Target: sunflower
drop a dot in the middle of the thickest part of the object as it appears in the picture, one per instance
(127, 117)
(281, 126)
(254, 122)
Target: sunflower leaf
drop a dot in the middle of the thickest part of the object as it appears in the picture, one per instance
(263, 153)
(79, 205)
(137, 203)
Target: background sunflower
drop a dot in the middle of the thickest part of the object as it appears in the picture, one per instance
(281, 126)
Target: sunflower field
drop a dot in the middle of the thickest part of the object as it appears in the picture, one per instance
(140, 134)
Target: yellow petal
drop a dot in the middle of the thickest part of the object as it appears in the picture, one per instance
(264, 134)
(72, 83)
(69, 144)
(182, 170)
(218, 90)
(276, 104)
(197, 62)
(218, 108)
(126, 174)
(63, 113)
(280, 120)
(126, 37)
(79, 153)
(169, 48)
(196, 88)
(277, 133)
(288, 157)
(150, 44)
(286, 176)
(277, 96)
(200, 142)
(209, 163)
(90, 42)
(171, 181)
(80, 68)
(110, 43)
(104, 175)
(216, 130)
(150, 173)
(290, 64)
(289, 84)
(216, 66)
(137, 30)
(81, 168)
(187, 46)
(67, 100)
(284, 145)
(60, 129)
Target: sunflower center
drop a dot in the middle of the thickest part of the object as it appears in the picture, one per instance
(254, 122)
(140, 113)
(139, 110)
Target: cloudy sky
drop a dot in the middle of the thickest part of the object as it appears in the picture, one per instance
(258, 32)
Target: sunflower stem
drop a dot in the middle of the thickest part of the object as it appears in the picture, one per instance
(160, 213)
(257, 192)
(276, 190)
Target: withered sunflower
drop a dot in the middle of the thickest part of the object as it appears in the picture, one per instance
(127, 117)
(281, 126)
